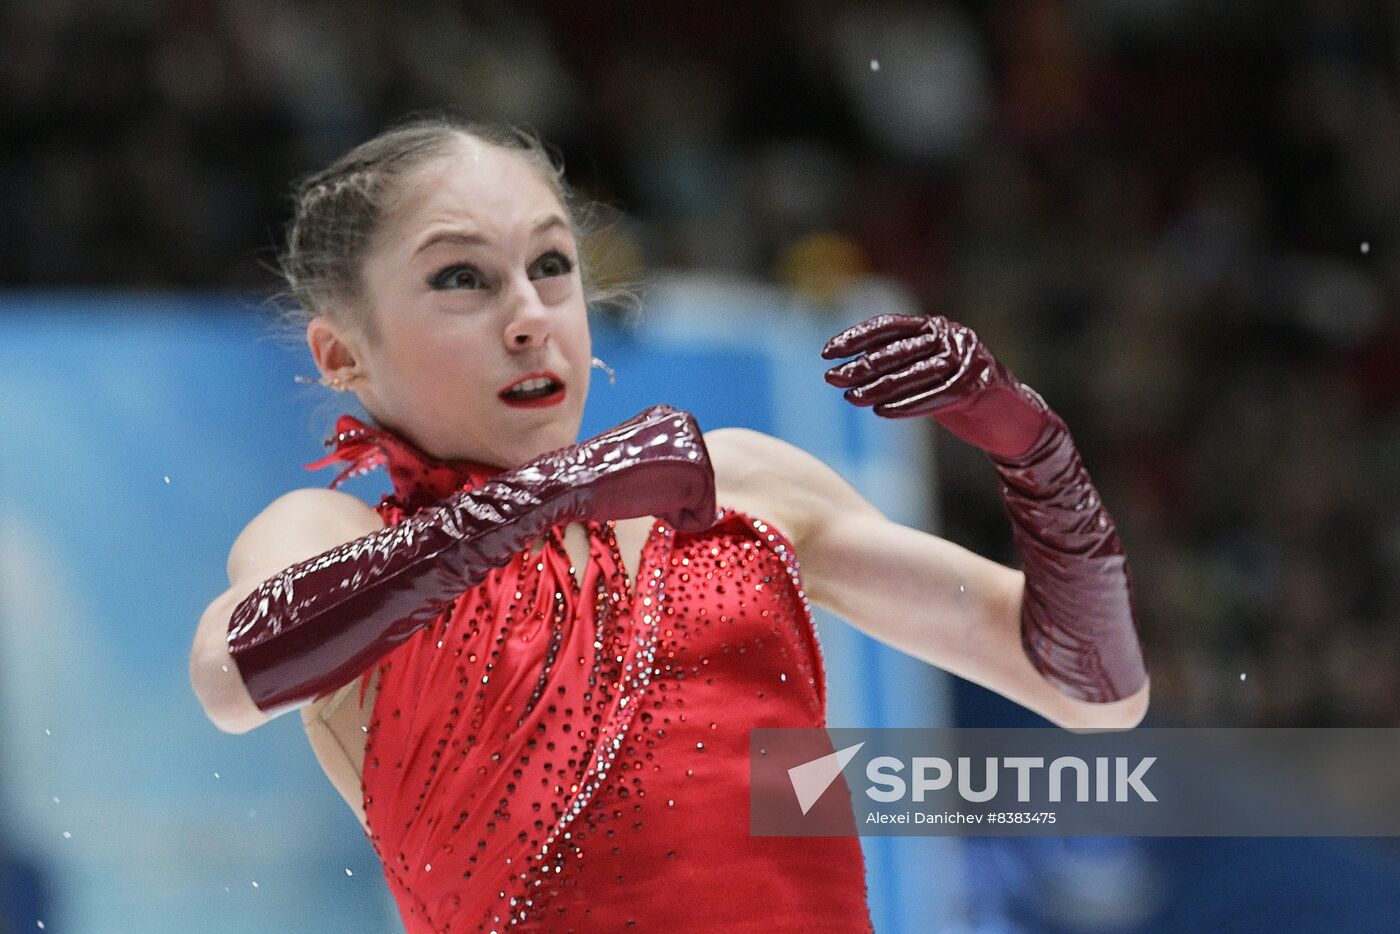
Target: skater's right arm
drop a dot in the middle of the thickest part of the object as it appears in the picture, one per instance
(296, 526)
(307, 628)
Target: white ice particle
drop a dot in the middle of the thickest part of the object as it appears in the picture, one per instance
(1365, 246)
(67, 835)
(55, 799)
(348, 872)
(874, 64)
(216, 774)
(167, 480)
(255, 885)
(1242, 676)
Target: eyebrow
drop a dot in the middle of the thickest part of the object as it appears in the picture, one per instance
(461, 236)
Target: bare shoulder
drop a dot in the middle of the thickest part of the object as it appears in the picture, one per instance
(733, 453)
(312, 503)
(758, 462)
(784, 483)
(296, 525)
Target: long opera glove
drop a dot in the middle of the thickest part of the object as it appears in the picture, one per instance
(320, 623)
(1077, 615)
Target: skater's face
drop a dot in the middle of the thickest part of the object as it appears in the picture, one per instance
(472, 283)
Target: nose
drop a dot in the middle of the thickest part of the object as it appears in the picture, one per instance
(529, 324)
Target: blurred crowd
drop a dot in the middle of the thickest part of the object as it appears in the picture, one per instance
(1177, 219)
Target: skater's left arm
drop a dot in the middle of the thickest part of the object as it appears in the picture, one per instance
(916, 592)
(1059, 636)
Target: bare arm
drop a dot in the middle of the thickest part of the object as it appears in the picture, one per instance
(296, 526)
(927, 597)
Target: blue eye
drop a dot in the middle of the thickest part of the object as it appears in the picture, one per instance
(551, 264)
(456, 276)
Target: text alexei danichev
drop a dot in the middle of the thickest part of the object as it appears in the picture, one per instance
(957, 817)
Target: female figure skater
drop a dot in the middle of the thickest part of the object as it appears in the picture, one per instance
(531, 670)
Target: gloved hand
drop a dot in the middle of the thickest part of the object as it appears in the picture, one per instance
(1077, 620)
(322, 622)
(910, 365)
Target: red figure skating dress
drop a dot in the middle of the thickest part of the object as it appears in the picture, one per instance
(550, 756)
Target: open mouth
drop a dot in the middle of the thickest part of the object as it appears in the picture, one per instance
(536, 389)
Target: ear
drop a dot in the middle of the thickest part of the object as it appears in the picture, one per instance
(333, 347)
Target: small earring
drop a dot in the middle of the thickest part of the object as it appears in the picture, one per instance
(338, 383)
(612, 377)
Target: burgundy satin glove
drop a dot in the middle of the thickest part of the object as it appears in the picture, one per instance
(320, 623)
(1077, 620)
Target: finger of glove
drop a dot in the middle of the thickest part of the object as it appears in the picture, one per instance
(960, 382)
(888, 359)
(915, 378)
(875, 332)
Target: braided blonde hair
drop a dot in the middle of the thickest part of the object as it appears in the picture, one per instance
(339, 209)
